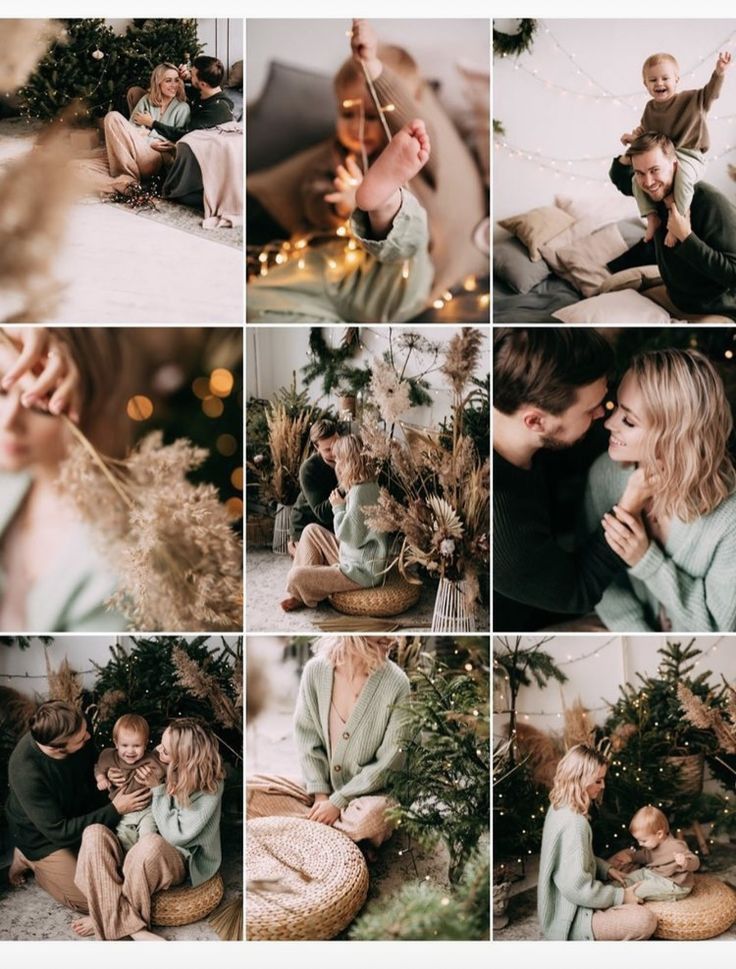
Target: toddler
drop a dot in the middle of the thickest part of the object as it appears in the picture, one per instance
(681, 116)
(130, 735)
(667, 863)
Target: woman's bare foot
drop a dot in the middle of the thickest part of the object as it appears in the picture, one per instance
(84, 926)
(145, 935)
(290, 603)
(378, 194)
(18, 868)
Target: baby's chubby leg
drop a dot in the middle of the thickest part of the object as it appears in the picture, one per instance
(379, 193)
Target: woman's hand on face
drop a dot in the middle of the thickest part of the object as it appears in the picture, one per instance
(336, 498)
(52, 378)
(116, 776)
(126, 803)
(630, 896)
(324, 811)
(149, 775)
(639, 489)
(626, 535)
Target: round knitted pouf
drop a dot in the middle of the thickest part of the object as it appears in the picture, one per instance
(184, 904)
(395, 596)
(707, 911)
(304, 880)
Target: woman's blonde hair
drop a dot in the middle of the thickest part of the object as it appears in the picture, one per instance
(157, 75)
(196, 764)
(690, 422)
(358, 653)
(355, 467)
(575, 772)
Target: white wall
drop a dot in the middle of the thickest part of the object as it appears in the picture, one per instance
(322, 45)
(607, 56)
(274, 353)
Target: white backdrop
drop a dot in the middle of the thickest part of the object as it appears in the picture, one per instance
(563, 100)
(274, 353)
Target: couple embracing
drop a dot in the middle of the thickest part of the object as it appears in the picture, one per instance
(656, 542)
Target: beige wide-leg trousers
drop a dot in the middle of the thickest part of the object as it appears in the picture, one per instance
(316, 573)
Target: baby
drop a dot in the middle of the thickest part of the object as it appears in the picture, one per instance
(667, 863)
(130, 735)
(681, 116)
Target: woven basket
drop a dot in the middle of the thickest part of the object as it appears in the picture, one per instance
(691, 767)
(305, 880)
(452, 611)
(280, 543)
(707, 911)
(185, 904)
(395, 596)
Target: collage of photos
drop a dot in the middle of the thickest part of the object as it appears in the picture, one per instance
(245, 495)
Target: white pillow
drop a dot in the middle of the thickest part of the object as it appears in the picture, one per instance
(620, 309)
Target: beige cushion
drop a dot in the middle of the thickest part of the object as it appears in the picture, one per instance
(584, 262)
(577, 230)
(637, 277)
(622, 308)
(537, 226)
(601, 205)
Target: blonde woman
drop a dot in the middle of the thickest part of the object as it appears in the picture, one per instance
(348, 727)
(354, 557)
(186, 809)
(134, 148)
(675, 526)
(573, 900)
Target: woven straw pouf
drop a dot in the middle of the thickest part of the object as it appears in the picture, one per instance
(304, 880)
(184, 904)
(395, 596)
(706, 912)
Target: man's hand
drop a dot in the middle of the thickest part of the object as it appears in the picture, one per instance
(364, 45)
(142, 118)
(116, 776)
(346, 181)
(723, 63)
(677, 224)
(323, 810)
(127, 803)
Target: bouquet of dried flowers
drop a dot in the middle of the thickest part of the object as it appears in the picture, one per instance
(438, 494)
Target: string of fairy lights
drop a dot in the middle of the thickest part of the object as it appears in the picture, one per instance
(593, 91)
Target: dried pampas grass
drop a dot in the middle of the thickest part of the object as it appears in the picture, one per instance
(579, 726)
(64, 683)
(228, 919)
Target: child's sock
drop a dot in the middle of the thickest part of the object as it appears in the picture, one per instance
(378, 194)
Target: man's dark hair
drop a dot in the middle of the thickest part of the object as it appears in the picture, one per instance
(54, 722)
(650, 140)
(210, 70)
(545, 366)
(321, 429)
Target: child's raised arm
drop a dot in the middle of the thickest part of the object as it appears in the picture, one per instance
(724, 62)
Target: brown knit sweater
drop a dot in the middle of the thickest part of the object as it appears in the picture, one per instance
(682, 117)
(662, 861)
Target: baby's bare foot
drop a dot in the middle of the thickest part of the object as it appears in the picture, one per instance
(670, 240)
(291, 603)
(84, 926)
(407, 152)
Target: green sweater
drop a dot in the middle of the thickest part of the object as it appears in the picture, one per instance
(363, 552)
(692, 576)
(317, 481)
(51, 801)
(193, 830)
(370, 745)
(176, 115)
(569, 889)
(699, 273)
(217, 109)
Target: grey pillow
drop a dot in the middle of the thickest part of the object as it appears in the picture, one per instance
(296, 109)
(512, 265)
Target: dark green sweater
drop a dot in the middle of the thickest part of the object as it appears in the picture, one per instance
(317, 480)
(214, 110)
(51, 801)
(699, 273)
(535, 578)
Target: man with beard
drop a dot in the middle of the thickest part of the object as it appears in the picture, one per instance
(549, 386)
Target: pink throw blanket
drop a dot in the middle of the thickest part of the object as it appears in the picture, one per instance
(219, 152)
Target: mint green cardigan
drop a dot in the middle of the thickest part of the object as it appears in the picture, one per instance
(692, 576)
(370, 745)
(363, 552)
(70, 597)
(569, 888)
(176, 115)
(193, 830)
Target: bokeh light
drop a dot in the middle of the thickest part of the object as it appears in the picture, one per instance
(226, 445)
(213, 407)
(221, 382)
(234, 507)
(139, 408)
(236, 479)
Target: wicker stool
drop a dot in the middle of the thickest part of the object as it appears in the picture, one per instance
(707, 911)
(184, 904)
(396, 595)
(304, 880)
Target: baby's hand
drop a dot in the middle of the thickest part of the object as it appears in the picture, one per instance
(364, 45)
(680, 859)
(103, 784)
(723, 62)
(346, 181)
(627, 137)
